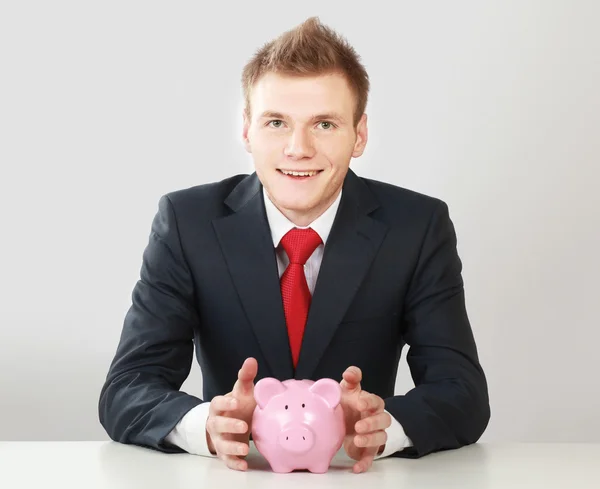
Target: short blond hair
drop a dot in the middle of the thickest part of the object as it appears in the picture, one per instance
(309, 49)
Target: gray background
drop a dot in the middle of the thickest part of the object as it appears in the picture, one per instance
(492, 106)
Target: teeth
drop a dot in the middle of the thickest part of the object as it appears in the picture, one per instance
(300, 173)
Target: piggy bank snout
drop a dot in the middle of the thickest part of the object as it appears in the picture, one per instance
(297, 439)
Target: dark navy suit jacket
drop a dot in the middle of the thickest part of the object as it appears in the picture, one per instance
(390, 277)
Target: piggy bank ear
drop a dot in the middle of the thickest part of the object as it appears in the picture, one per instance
(265, 389)
(329, 390)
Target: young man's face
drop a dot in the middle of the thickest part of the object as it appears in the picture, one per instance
(303, 124)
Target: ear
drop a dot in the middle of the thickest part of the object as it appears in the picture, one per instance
(246, 128)
(267, 388)
(329, 390)
(362, 135)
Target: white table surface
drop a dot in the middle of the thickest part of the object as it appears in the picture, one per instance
(112, 465)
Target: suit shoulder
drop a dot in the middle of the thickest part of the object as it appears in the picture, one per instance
(394, 196)
(407, 212)
(217, 190)
(204, 199)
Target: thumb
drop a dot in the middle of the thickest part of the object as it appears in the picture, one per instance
(246, 375)
(351, 378)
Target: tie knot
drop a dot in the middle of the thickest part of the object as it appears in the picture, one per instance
(299, 244)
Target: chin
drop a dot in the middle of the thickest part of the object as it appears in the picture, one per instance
(292, 198)
(297, 204)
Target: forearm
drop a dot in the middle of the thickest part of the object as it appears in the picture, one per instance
(190, 433)
(444, 415)
(138, 408)
(396, 439)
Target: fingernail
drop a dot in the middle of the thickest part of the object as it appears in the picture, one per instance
(240, 425)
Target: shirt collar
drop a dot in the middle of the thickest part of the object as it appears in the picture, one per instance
(280, 225)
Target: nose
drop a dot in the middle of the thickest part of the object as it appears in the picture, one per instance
(297, 439)
(299, 145)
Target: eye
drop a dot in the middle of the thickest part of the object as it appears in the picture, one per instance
(329, 125)
(275, 121)
(302, 404)
(286, 406)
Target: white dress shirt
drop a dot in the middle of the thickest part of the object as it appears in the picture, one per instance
(190, 433)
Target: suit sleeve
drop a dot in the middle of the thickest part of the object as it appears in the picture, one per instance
(140, 402)
(449, 406)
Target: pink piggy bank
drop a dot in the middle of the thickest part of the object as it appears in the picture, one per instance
(298, 424)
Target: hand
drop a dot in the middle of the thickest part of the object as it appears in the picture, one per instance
(366, 421)
(229, 422)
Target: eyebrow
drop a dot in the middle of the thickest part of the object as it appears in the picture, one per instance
(334, 116)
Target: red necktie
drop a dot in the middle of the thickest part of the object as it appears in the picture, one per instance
(299, 244)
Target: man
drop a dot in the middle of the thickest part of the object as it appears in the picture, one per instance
(300, 270)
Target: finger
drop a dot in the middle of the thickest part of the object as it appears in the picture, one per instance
(246, 375)
(222, 404)
(377, 422)
(223, 424)
(371, 440)
(351, 378)
(352, 450)
(364, 463)
(370, 402)
(234, 463)
(225, 448)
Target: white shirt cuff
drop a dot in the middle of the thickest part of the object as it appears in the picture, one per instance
(190, 433)
(397, 439)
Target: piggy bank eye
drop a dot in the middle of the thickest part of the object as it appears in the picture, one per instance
(286, 406)
(302, 404)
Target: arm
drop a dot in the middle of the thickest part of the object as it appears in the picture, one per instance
(140, 402)
(396, 439)
(190, 433)
(449, 406)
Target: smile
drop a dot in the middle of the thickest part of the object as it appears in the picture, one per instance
(299, 174)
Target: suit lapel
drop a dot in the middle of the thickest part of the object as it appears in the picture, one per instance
(245, 240)
(351, 247)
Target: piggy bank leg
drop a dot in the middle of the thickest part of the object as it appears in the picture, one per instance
(280, 468)
(319, 467)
